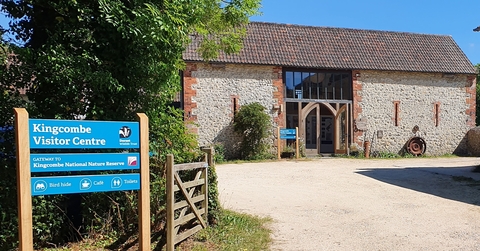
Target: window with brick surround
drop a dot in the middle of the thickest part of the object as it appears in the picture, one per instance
(396, 115)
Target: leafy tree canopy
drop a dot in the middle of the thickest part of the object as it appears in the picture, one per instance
(109, 59)
(105, 60)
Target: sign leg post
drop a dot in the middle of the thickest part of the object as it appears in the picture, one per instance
(144, 197)
(170, 202)
(278, 142)
(296, 143)
(24, 192)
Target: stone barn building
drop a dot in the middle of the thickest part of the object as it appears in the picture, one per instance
(341, 87)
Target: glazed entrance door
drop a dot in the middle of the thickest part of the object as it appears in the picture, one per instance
(324, 128)
(326, 134)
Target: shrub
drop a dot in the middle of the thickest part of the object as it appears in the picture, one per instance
(253, 123)
(302, 148)
(219, 155)
(213, 201)
(384, 155)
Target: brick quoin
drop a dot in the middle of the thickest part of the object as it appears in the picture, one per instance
(278, 95)
(471, 100)
(277, 81)
(357, 109)
(188, 94)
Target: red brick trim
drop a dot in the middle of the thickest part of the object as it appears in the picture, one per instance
(188, 94)
(471, 100)
(278, 93)
(234, 105)
(396, 113)
(357, 109)
(436, 113)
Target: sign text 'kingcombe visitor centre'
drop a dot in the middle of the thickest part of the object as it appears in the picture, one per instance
(87, 134)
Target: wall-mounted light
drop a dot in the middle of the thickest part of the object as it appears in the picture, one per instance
(357, 75)
(278, 108)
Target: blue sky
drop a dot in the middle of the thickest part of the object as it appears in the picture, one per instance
(456, 18)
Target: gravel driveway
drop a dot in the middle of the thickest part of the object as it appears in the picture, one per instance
(357, 204)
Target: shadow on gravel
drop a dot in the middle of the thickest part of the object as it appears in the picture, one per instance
(454, 183)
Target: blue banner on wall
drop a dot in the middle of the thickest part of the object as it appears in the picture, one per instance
(287, 134)
(84, 184)
(56, 134)
(56, 162)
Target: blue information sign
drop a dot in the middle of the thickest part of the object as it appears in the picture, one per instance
(287, 134)
(56, 162)
(55, 134)
(84, 184)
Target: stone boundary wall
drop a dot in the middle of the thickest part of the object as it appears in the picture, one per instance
(375, 95)
(212, 93)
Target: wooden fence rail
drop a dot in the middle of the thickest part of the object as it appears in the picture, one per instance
(187, 201)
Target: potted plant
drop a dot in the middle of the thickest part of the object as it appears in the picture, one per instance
(288, 151)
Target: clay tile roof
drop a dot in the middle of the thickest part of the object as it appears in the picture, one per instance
(341, 48)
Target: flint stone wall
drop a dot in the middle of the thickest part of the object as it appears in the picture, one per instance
(417, 93)
(216, 87)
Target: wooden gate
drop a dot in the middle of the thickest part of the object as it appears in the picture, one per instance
(187, 201)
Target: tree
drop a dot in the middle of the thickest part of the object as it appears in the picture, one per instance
(109, 59)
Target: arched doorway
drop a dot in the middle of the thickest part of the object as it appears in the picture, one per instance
(323, 127)
(319, 102)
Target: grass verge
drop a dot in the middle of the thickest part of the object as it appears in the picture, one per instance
(389, 155)
(234, 232)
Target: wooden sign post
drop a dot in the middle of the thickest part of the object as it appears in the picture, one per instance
(287, 134)
(144, 196)
(24, 192)
(80, 134)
